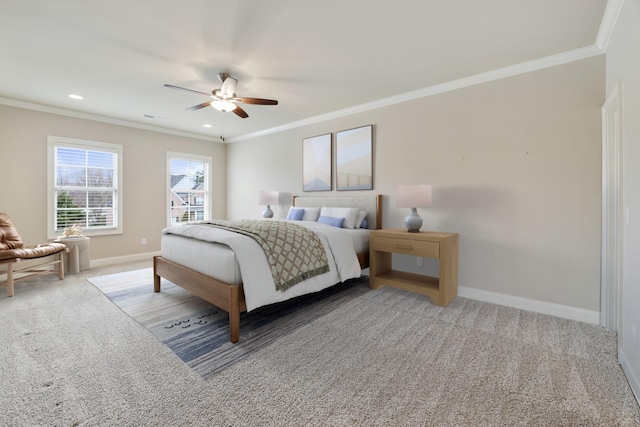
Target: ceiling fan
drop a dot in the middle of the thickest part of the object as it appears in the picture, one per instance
(225, 99)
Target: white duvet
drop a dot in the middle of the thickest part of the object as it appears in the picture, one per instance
(258, 284)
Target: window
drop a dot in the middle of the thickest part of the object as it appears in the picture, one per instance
(84, 186)
(188, 187)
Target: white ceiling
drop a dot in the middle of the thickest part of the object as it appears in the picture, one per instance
(316, 58)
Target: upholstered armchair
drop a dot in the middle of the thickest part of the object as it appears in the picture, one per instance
(12, 251)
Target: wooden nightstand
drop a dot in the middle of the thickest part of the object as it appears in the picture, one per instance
(428, 244)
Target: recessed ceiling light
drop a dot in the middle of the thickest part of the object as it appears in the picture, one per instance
(72, 96)
(207, 125)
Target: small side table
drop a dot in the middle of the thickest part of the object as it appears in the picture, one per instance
(78, 257)
(429, 244)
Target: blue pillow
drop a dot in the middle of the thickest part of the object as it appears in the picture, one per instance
(295, 214)
(364, 223)
(332, 221)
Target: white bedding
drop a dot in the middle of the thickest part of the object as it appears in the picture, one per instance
(359, 238)
(206, 249)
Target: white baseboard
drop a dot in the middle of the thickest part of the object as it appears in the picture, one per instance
(123, 259)
(552, 309)
(634, 381)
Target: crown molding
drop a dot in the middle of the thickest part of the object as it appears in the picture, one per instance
(103, 119)
(608, 24)
(500, 73)
(609, 21)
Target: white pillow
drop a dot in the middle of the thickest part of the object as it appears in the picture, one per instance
(311, 214)
(361, 216)
(350, 215)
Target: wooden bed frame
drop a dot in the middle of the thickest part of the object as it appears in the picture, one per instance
(230, 297)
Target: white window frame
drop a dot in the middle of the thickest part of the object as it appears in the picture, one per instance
(208, 162)
(58, 141)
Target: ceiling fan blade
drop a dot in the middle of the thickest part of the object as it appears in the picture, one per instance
(199, 106)
(240, 112)
(258, 101)
(188, 90)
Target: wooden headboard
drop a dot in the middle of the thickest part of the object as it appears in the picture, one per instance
(372, 204)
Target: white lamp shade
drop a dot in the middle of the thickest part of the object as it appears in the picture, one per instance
(268, 197)
(414, 196)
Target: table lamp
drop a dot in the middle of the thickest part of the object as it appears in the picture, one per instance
(413, 197)
(268, 198)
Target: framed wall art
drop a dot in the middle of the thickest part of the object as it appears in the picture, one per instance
(316, 163)
(354, 161)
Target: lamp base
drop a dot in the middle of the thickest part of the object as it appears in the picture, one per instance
(413, 221)
(267, 213)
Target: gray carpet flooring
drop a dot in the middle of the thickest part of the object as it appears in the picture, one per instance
(70, 357)
(198, 332)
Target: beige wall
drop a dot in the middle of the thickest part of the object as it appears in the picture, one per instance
(23, 155)
(623, 66)
(515, 168)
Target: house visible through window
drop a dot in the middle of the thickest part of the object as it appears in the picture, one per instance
(188, 187)
(84, 179)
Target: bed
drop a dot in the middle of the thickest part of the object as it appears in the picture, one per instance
(202, 261)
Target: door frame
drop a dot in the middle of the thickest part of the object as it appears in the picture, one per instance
(611, 264)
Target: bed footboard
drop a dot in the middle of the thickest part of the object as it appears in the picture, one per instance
(228, 297)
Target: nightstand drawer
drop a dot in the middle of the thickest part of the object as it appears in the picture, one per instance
(407, 247)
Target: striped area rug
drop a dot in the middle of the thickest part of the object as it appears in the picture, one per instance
(198, 332)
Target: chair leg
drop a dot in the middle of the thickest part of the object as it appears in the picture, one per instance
(10, 279)
(61, 265)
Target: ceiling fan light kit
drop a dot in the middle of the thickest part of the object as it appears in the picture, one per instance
(223, 106)
(225, 99)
